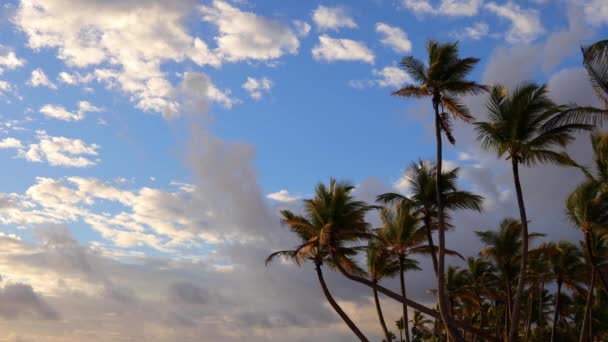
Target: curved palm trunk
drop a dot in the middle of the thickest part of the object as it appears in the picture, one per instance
(529, 318)
(379, 310)
(337, 307)
(587, 318)
(406, 324)
(443, 305)
(556, 312)
(516, 310)
(417, 306)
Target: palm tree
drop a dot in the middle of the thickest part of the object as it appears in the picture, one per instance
(420, 331)
(481, 279)
(517, 130)
(421, 177)
(400, 326)
(443, 79)
(402, 235)
(565, 265)
(332, 220)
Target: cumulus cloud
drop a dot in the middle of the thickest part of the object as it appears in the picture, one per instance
(596, 11)
(302, 28)
(60, 113)
(332, 49)
(390, 76)
(446, 7)
(256, 87)
(9, 60)
(247, 36)
(8, 143)
(332, 18)
(282, 196)
(394, 37)
(39, 79)
(473, 32)
(20, 300)
(526, 25)
(60, 151)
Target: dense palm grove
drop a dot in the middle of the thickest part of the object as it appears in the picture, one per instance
(519, 287)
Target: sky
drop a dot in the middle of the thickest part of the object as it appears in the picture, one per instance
(147, 147)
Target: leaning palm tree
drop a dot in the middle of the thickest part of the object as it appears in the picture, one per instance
(566, 266)
(331, 221)
(516, 129)
(381, 264)
(422, 198)
(443, 79)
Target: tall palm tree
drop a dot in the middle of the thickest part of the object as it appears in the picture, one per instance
(400, 326)
(402, 235)
(381, 264)
(420, 331)
(566, 267)
(481, 280)
(331, 220)
(421, 177)
(516, 129)
(443, 79)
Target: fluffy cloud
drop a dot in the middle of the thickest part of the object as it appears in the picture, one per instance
(39, 79)
(9, 60)
(332, 18)
(596, 11)
(8, 143)
(282, 196)
(332, 49)
(390, 76)
(60, 113)
(446, 7)
(526, 25)
(247, 36)
(473, 32)
(256, 87)
(60, 151)
(394, 37)
(302, 28)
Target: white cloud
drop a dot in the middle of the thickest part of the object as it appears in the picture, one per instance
(282, 196)
(394, 37)
(60, 113)
(302, 28)
(247, 36)
(332, 18)
(60, 151)
(526, 25)
(5, 86)
(446, 7)
(331, 49)
(256, 87)
(597, 12)
(390, 76)
(39, 79)
(9, 143)
(9, 60)
(473, 32)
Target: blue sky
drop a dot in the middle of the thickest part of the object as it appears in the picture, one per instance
(148, 129)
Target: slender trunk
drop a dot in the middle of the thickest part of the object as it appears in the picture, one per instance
(401, 334)
(516, 310)
(406, 324)
(587, 318)
(416, 306)
(592, 259)
(529, 318)
(556, 312)
(429, 237)
(541, 318)
(337, 307)
(379, 310)
(443, 305)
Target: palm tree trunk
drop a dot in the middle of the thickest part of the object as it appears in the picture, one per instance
(337, 307)
(429, 238)
(592, 257)
(529, 318)
(587, 317)
(556, 312)
(403, 294)
(515, 313)
(443, 305)
(401, 334)
(541, 322)
(379, 310)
